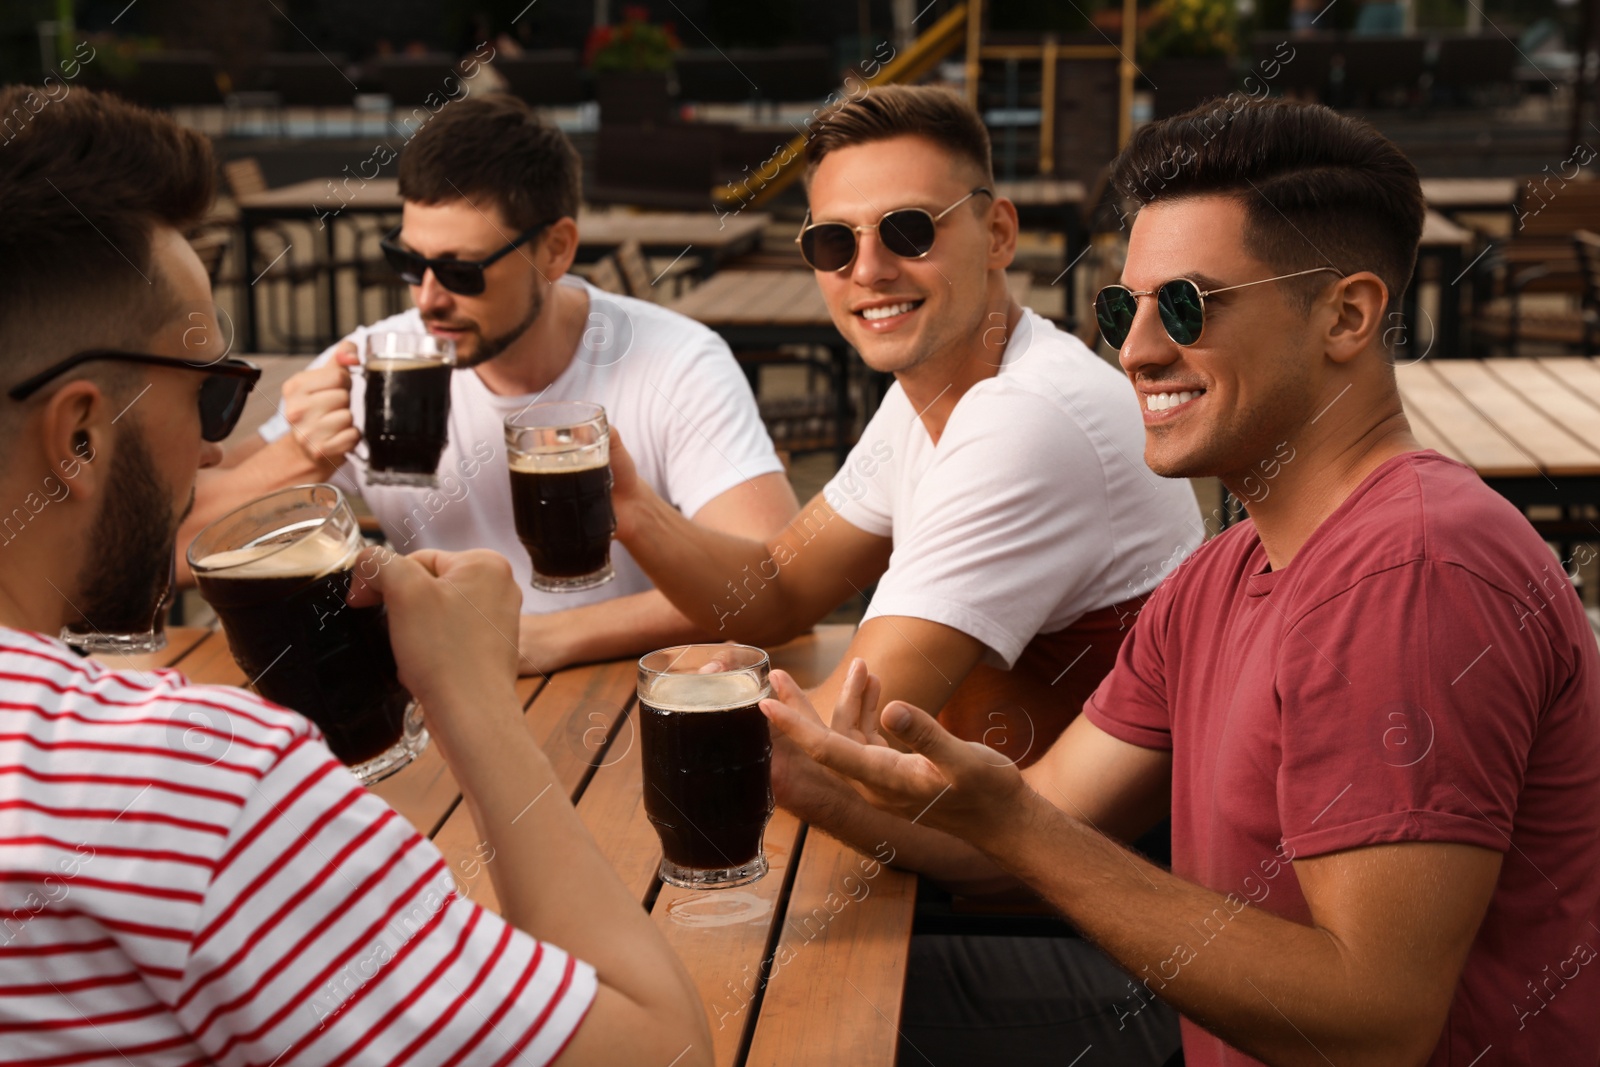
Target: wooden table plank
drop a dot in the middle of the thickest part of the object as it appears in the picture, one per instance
(1544, 441)
(1575, 414)
(724, 938)
(1479, 443)
(181, 640)
(838, 976)
(1452, 194)
(1578, 373)
(1429, 436)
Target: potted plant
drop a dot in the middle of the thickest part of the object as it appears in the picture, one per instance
(632, 64)
(1186, 52)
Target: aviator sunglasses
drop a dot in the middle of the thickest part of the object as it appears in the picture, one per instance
(908, 232)
(1181, 303)
(461, 276)
(222, 395)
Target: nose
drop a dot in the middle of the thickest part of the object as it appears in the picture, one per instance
(430, 295)
(210, 454)
(1148, 344)
(874, 264)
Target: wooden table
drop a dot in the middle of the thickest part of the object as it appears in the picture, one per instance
(828, 929)
(327, 200)
(762, 309)
(1529, 427)
(1454, 195)
(1056, 205)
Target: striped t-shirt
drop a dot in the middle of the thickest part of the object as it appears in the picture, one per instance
(188, 876)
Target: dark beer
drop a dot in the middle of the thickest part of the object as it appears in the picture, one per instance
(302, 646)
(563, 516)
(707, 768)
(408, 414)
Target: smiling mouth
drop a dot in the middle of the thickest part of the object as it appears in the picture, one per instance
(888, 311)
(1168, 401)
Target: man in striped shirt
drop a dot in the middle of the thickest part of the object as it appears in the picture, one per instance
(186, 873)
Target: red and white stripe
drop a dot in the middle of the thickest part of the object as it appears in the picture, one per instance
(188, 876)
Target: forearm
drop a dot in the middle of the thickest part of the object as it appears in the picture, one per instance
(612, 629)
(523, 813)
(1278, 990)
(217, 492)
(947, 860)
(726, 585)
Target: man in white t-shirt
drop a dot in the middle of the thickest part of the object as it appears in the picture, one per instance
(483, 179)
(998, 498)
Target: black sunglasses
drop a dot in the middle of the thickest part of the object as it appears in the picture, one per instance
(908, 232)
(463, 276)
(222, 396)
(1181, 303)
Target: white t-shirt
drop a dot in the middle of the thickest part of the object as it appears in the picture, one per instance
(669, 385)
(1035, 507)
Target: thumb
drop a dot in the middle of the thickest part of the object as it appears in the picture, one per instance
(379, 571)
(921, 732)
(345, 354)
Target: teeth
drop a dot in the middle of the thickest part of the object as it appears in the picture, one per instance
(1164, 401)
(871, 314)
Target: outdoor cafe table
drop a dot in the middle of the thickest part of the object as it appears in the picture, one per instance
(762, 309)
(704, 235)
(828, 929)
(1529, 427)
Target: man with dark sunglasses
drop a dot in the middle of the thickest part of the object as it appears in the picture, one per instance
(1372, 709)
(996, 499)
(187, 874)
(488, 234)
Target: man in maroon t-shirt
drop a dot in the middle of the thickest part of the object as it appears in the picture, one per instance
(1375, 706)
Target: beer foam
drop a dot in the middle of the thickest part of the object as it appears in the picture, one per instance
(394, 363)
(310, 557)
(704, 692)
(558, 459)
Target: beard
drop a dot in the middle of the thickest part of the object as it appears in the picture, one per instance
(489, 347)
(128, 574)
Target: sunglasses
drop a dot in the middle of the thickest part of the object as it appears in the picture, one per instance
(461, 276)
(1181, 303)
(228, 382)
(908, 232)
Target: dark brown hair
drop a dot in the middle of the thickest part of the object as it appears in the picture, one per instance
(1318, 189)
(885, 111)
(494, 147)
(84, 180)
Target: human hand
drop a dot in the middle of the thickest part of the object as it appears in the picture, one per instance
(627, 487)
(800, 784)
(316, 404)
(453, 624)
(541, 644)
(957, 786)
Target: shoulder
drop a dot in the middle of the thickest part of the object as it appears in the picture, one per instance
(641, 328)
(1051, 373)
(1422, 507)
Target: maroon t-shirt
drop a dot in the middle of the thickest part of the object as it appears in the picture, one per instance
(1421, 671)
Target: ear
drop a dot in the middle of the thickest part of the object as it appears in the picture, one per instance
(1359, 302)
(559, 247)
(1002, 233)
(75, 436)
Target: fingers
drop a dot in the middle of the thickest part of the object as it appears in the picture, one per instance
(785, 689)
(922, 734)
